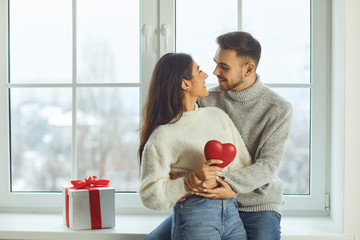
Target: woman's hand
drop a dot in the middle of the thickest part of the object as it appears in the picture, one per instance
(223, 192)
(206, 171)
(193, 184)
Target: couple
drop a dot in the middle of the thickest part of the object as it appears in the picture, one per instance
(244, 202)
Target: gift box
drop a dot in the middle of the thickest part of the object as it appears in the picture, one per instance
(89, 204)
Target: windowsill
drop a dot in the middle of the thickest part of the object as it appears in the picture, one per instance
(133, 227)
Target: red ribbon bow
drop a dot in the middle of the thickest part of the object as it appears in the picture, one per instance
(94, 197)
(91, 182)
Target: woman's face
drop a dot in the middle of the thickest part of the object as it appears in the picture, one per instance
(197, 88)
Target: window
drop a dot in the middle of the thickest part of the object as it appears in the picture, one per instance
(285, 61)
(289, 65)
(72, 93)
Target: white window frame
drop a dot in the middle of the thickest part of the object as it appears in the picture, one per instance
(154, 15)
(316, 203)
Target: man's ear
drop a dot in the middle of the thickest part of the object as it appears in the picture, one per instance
(185, 85)
(249, 68)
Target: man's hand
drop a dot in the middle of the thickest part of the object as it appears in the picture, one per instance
(224, 191)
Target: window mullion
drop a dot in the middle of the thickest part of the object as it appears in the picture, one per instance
(4, 91)
(167, 26)
(239, 7)
(74, 90)
(149, 44)
(320, 107)
(289, 85)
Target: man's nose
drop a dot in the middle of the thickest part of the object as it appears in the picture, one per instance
(216, 71)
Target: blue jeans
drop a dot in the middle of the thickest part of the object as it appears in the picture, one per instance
(264, 225)
(205, 218)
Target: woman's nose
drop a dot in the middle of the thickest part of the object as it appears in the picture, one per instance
(205, 74)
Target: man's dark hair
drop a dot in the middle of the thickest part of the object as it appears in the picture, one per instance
(243, 43)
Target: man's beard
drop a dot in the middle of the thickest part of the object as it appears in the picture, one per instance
(232, 86)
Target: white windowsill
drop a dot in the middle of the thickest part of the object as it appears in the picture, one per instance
(134, 227)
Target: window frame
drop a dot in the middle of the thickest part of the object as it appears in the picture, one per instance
(155, 13)
(320, 89)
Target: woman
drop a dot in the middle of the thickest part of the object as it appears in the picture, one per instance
(172, 142)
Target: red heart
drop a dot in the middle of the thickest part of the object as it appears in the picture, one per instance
(216, 150)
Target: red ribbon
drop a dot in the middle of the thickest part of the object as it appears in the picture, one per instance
(94, 197)
(89, 183)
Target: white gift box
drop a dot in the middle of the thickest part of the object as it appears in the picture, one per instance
(79, 210)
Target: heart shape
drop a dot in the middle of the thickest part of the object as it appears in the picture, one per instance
(216, 150)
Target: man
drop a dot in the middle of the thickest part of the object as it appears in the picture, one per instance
(263, 119)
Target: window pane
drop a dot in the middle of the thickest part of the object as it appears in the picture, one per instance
(40, 41)
(40, 138)
(283, 29)
(294, 169)
(108, 41)
(107, 123)
(197, 28)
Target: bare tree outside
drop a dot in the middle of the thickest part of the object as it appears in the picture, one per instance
(107, 122)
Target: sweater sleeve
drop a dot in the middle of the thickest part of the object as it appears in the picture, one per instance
(243, 158)
(157, 190)
(266, 165)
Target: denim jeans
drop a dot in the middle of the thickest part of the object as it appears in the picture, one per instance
(205, 218)
(264, 225)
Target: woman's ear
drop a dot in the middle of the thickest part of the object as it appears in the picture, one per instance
(185, 85)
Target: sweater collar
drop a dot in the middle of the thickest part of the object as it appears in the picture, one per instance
(186, 115)
(248, 93)
(192, 111)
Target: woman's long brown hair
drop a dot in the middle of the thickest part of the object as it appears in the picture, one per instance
(164, 100)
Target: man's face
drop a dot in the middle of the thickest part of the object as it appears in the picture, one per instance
(229, 70)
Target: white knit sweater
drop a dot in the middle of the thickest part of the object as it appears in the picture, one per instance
(178, 148)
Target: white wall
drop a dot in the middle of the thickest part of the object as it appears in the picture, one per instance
(352, 116)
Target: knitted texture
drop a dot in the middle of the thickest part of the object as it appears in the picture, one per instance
(178, 148)
(263, 119)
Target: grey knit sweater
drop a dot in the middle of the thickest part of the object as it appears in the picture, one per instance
(263, 119)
